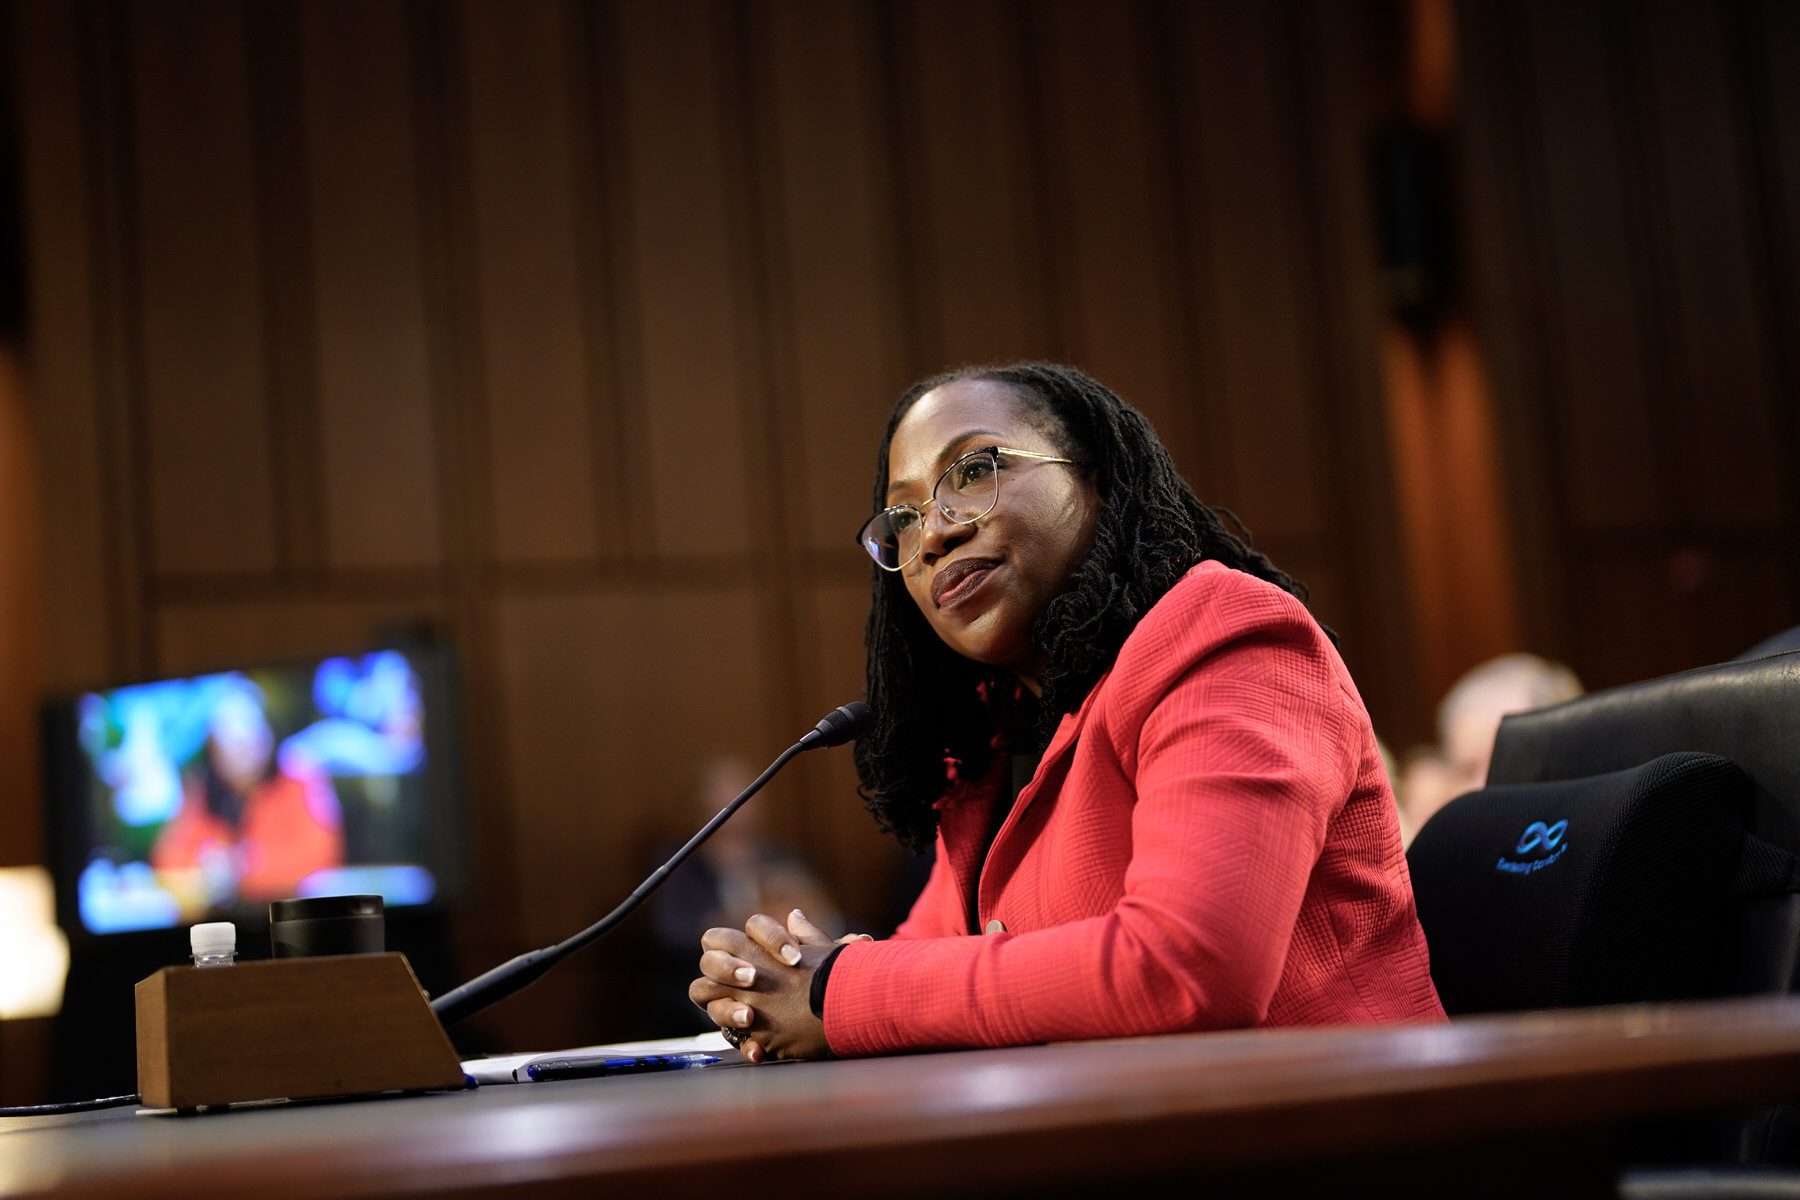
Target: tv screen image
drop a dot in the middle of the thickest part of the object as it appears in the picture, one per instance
(183, 800)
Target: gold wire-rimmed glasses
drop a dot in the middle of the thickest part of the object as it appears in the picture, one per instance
(967, 491)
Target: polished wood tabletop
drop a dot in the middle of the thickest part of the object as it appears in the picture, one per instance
(1544, 1093)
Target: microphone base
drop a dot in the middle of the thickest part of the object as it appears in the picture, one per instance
(288, 1029)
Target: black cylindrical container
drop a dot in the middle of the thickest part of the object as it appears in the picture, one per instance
(315, 925)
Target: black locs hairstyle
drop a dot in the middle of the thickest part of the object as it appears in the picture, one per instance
(928, 700)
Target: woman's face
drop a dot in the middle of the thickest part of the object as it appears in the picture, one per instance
(241, 742)
(982, 585)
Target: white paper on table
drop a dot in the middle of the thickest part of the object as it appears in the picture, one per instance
(500, 1067)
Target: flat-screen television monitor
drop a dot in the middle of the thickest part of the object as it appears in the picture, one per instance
(201, 798)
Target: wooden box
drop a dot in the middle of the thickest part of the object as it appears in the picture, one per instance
(289, 1028)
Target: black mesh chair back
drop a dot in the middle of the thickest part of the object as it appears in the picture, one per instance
(1658, 771)
(1747, 711)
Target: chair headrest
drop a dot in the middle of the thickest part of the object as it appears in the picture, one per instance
(1747, 711)
(1604, 890)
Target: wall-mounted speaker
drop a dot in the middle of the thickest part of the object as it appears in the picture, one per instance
(1412, 213)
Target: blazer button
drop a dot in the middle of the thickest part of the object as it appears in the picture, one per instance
(996, 926)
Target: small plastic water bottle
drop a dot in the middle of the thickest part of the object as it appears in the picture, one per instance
(214, 944)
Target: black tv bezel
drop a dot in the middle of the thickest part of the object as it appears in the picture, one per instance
(67, 776)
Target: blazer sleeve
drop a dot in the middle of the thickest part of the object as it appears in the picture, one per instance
(1239, 738)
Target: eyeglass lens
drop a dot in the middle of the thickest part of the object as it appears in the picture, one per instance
(965, 493)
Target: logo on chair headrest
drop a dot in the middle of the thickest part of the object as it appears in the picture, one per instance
(1543, 841)
(1538, 834)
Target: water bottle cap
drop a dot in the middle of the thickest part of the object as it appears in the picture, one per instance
(214, 937)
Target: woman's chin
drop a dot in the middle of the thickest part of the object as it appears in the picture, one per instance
(994, 647)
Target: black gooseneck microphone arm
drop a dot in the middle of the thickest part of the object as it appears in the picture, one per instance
(839, 726)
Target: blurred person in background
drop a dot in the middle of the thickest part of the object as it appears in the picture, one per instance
(740, 870)
(1468, 720)
(250, 827)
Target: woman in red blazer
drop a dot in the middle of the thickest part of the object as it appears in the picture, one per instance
(1155, 794)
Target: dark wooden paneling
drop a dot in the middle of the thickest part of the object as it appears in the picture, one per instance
(199, 290)
(598, 128)
(1599, 339)
(68, 373)
(1263, 404)
(200, 635)
(862, 863)
(1627, 164)
(1501, 203)
(610, 698)
(1768, 35)
(1650, 611)
(451, 276)
(1729, 453)
(285, 255)
(376, 431)
(1335, 68)
(843, 358)
(678, 92)
(1106, 181)
(1774, 98)
(973, 205)
(537, 435)
(21, 620)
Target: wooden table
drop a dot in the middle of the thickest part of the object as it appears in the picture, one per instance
(1526, 1105)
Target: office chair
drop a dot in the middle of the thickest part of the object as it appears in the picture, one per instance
(1747, 711)
(1636, 844)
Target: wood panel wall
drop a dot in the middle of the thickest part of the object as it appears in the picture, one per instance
(21, 616)
(570, 328)
(1630, 188)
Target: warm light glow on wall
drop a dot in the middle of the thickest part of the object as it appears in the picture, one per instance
(1448, 470)
(1458, 533)
(34, 954)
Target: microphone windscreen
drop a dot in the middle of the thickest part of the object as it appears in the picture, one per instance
(844, 723)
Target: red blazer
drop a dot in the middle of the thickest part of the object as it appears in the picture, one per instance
(1210, 842)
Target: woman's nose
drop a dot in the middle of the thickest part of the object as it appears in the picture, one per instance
(940, 535)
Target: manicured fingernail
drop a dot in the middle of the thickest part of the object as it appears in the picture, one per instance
(741, 1017)
(798, 913)
(865, 937)
(745, 975)
(790, 954)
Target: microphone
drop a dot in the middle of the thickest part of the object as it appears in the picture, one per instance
(840, 725)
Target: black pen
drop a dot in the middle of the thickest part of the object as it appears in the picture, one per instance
(586, 1066)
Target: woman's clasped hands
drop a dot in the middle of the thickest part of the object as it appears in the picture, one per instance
(756, 982)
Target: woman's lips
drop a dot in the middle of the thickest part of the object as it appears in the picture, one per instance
(960, 578)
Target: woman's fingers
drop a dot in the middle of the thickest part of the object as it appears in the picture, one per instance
(727, 969)
(805, 932)
(731, 1013)
(856, 937)
(768, 933)
(731, 941)
(727, 1012)
(704, 991)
